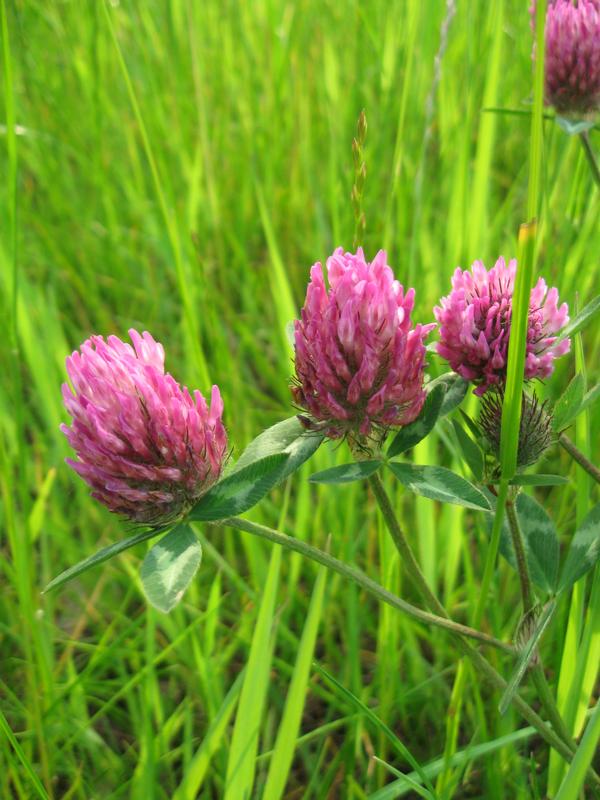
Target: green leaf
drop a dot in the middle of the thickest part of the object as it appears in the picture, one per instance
(288, 436)
(169, 567)
(574, 126)
(540, 538)
(103, 555)
(542, 548)
(539, 480)
(470, 450)
(581, 320)
(569, 403)
(527, 654)
(411, 434)
(439, 483)
(241, 489)
(346, 473)
(455, 389)
(583, 552)
(590, 398)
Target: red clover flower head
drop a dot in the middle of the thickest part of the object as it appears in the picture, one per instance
(475, 321)
(146, 446)
(572, 66)
(359, 360)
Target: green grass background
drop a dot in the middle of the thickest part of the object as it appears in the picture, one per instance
(177, 167)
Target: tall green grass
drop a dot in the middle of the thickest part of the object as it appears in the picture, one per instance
(178, 166)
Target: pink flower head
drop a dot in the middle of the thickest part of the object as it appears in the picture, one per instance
(147, 448)
(359, 361)
(572, 64)
(475, 319)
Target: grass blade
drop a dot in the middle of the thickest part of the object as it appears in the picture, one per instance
(289, 726)
(196, 772)
(573, 781)
(36, 783)
(397, 743)
(241, 764)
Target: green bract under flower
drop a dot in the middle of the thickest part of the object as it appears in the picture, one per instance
(535, 430)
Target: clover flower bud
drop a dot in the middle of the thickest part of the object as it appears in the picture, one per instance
(535, 429)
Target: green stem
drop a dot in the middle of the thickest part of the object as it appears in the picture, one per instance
(579, 457)
(567, 747)
(378, 591)
(519, 548)
(492, 552)
(587, 147)
(403, 547)
(549, 704)
(362, 580)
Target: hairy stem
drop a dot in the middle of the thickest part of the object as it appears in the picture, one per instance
(554, 736)
(549, 704)
(519, 548)
(404, 549)
(579, 457)
(585, 141)
(362, 580)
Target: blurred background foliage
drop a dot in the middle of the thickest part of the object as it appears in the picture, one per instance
(178, 166)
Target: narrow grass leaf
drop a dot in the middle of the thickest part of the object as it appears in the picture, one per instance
(396, 743)
(285, 306)
(582, 760)
(289, 727)
(439, 483)
(581, 320)
(590, 398)
(584, 551)
(213, 741)
(411, 434)
(346, 473)
(14, 743)
(241, 489)
(511, 409)
(241, 763)
(401, 787)
(526, 655)
(412, 784)
(169, 567)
